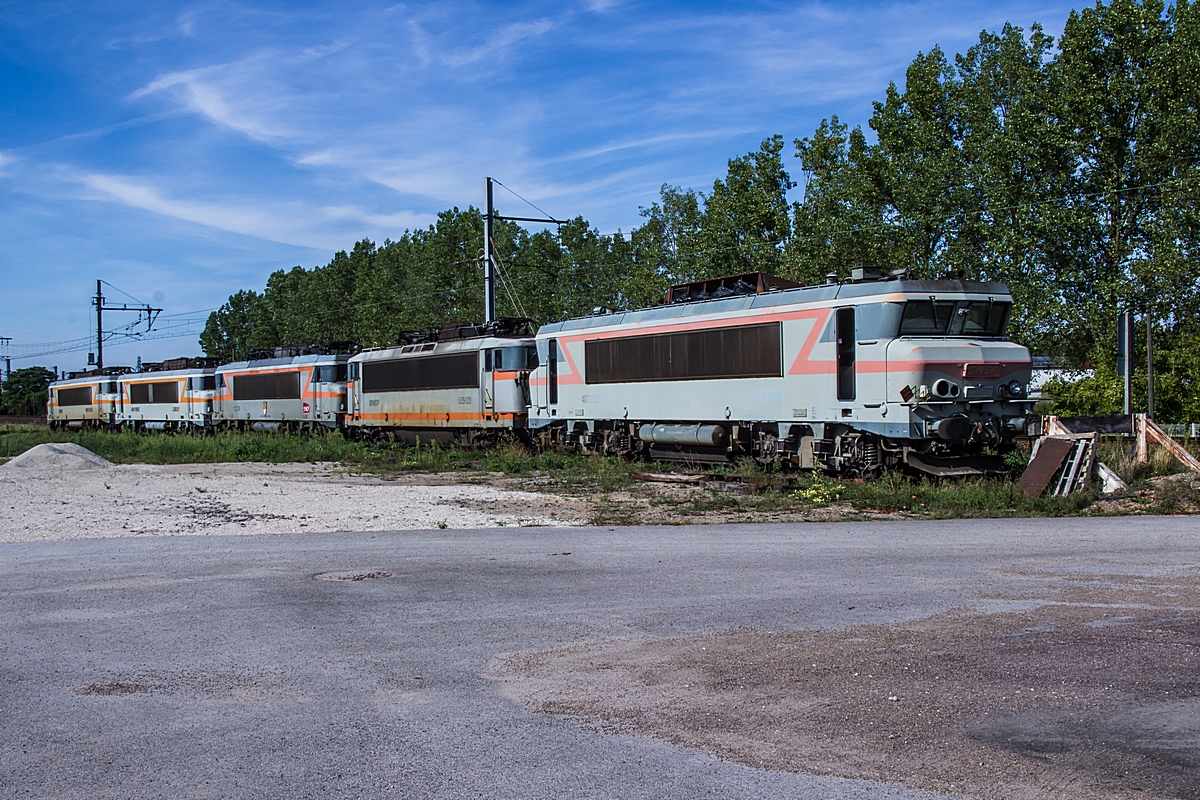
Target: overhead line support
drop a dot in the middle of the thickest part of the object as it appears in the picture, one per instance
(98, 301)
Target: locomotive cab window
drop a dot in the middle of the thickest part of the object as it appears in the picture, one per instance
(983, 318)
(510, 359)
(926, 318)
(329, 373)
(954, 318)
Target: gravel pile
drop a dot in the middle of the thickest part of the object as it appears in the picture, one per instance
(65, 456)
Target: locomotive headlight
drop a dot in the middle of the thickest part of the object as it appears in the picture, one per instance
(1015, 388)
(944, 388)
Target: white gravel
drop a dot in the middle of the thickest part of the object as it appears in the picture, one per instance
(223, 499)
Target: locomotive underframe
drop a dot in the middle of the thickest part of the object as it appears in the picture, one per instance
(832, 447)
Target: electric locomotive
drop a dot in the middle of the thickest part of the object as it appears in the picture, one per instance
(85, 399)
(462, 383)
(846, 377)
(176, 394)
(291, 388)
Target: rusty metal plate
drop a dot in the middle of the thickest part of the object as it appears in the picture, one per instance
(1045, 464)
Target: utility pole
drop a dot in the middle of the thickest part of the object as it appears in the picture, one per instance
(99, 327)
(489, 264)
(4, 342)
(98, 301)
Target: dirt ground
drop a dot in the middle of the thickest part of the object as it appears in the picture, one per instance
(1091, 691)
(247, 498)
(212, 499)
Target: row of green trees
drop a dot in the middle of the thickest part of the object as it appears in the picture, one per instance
(23, 392)
(1069, 170)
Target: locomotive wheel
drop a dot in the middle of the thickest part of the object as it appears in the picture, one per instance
(768, 449)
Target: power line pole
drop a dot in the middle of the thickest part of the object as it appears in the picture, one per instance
(4, 342)
(98, 301)
(489, 267)
(489, 264)
(99, 327)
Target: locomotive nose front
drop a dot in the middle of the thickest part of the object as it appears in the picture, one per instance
(961, 390)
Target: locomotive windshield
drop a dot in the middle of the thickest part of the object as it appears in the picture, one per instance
(511, 358)
(954, 318)
(329, 373)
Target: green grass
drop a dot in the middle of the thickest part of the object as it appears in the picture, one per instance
(599, 476)
(512, 459)
(967, 497)
(127, 448)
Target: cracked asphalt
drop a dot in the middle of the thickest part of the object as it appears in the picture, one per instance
(220, 667)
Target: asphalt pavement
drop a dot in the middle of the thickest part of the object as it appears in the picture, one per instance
(217, 667)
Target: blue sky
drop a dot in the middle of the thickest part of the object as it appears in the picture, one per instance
(185, 151)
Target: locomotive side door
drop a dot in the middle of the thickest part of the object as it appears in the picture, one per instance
(874, 330)
(488, 383)
(353, 387)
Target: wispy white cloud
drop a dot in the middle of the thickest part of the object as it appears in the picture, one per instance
(219, 94)
(446, 51)
(186, 22)
(399, 220)
(647, 143)
(324, 50)
(284, 222)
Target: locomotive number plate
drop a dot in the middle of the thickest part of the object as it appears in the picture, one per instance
(982, 370)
